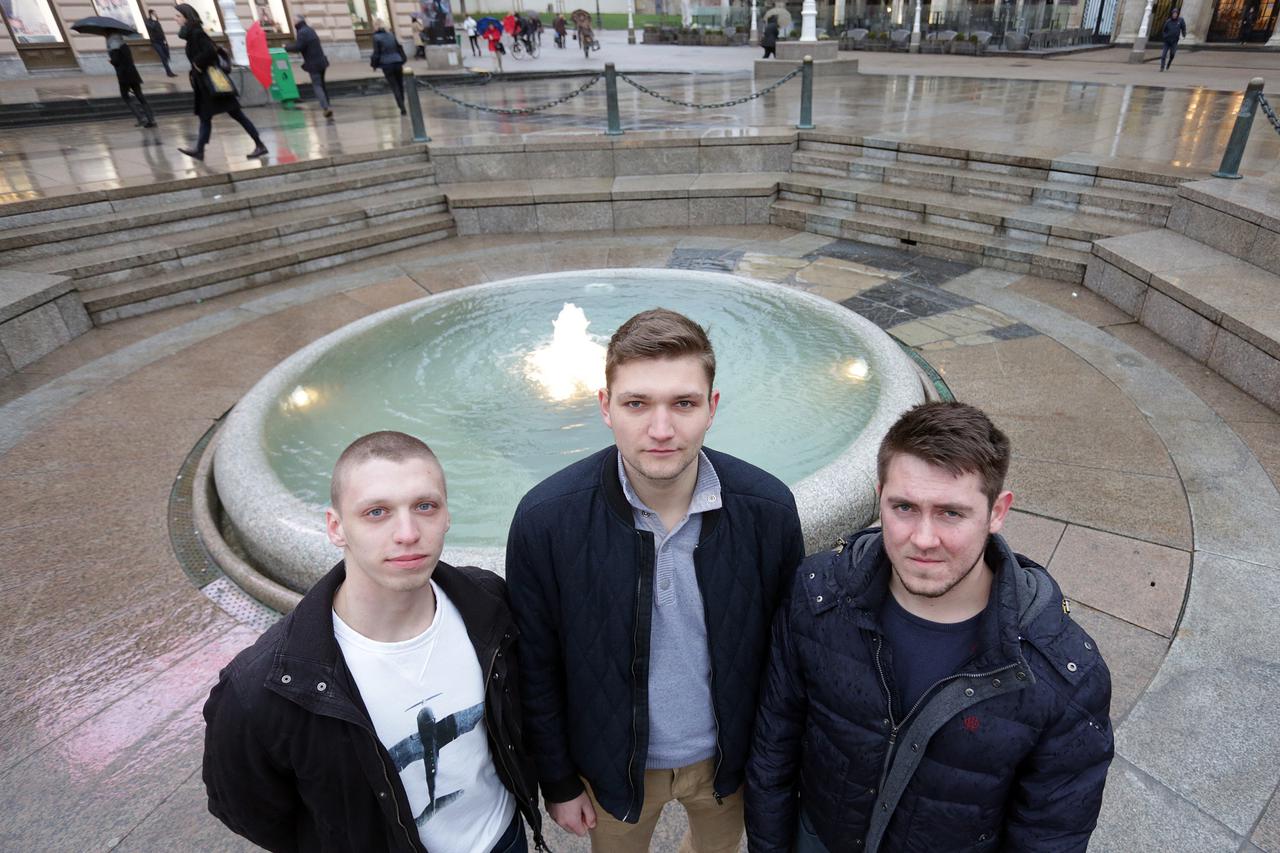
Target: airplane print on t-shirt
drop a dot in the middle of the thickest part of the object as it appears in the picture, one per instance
(425, 745)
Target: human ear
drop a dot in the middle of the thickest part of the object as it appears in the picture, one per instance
(1000, 511)
(333, 527)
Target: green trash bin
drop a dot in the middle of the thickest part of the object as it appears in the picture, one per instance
(283, 87)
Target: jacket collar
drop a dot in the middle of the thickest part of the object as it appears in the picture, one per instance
(857, 577)
(616, 499)
(308, 668)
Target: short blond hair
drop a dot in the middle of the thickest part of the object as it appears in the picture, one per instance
(386, 444)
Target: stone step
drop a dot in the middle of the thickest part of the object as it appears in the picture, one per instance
(1020, 221)
(89, 232)
(1216, 307)
(97, 267)
(957, 244)
(132, 298)
(152, 193)
(1147, 207)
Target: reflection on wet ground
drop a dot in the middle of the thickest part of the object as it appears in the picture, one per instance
(1130, 124)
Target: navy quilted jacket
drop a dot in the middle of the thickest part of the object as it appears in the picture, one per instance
(580, 577)
(1010, 755)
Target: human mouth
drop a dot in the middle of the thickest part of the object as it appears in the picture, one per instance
(407, 561)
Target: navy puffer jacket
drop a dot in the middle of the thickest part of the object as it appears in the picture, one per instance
(580, 576)
(1010, 755)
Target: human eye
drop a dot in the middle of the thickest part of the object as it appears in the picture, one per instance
(375, 512)
(425, 506)
(685, 404)
(902, 507)
(633, 404)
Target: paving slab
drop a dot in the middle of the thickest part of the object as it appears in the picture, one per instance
(1033, 536)
(1208, 727)
(1136, 581)
(1140, 814)
(1132, 654)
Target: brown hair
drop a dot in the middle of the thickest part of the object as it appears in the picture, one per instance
(659, 333)
(955, 436)
(389, 445)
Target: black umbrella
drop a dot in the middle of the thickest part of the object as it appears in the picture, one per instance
(98, 25)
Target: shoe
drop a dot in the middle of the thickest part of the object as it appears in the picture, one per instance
(402, 112)
(260, 151)
(194, 153)
(171, 74)
(149, 123)
(328, 113)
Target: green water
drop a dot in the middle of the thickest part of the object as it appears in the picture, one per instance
(455, 376)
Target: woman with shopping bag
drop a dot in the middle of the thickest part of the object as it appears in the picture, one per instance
(214, 91)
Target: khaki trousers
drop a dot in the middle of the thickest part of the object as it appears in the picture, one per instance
(713, 827)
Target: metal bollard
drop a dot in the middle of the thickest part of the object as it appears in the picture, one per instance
(806, 95)
(415, 108)
(1231, 158)
(611, 99)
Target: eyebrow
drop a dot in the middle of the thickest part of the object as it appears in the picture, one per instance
(679, 395)
(376, 501)
(953, 507)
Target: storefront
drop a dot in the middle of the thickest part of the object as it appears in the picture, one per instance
(37, 33)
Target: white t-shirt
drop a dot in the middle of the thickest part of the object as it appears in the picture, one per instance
(426, 699)
(470, 26)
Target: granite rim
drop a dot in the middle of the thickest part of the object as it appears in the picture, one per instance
(285, 537)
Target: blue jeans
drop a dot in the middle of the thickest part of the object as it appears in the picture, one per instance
(1168, 50)
(513, 840)
(806, 839)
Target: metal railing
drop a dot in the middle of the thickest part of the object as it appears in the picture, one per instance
(613, 117)
(1253, 100)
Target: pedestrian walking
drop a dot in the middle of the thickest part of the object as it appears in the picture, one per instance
(389, 56)
(130, 80)
(472, 38)
(1174, 29)
(769, 41)
(159, 41)
(314, 62)
(493, 35)
(562, 29)
(643, 580)
(1246, 23)
(419, 46)
(209, 82)
(927, 689)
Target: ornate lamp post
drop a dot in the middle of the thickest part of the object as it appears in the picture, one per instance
(809, 21)
(915, 31)
(631, 21)
(235, 32)
(1140, 43)
(755, 31)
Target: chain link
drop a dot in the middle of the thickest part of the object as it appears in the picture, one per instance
(735, 102)
(512, 111)
(1269, 112)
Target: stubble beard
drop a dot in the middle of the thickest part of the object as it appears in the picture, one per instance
(936, 594)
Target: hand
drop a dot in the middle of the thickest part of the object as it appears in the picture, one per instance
(576, 816)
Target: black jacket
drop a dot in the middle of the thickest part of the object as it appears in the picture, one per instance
(1174, 29)
(292, 761)
(308, 45)
(126, 71)
(155, 32)
(770, 37)
(581, 576)
(1010, 754)
(202, 53)
(387, 52)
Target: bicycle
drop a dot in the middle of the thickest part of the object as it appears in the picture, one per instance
(587, 41)
(524, 47)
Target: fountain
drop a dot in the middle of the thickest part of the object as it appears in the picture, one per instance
(501, 380)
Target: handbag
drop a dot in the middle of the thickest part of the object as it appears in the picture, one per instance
(219, 82)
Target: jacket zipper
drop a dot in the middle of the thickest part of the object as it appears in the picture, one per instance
(635, 652)
(895, 726)
(715, 717)
(413, 842)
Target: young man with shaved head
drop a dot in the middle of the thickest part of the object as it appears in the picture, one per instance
(927, 689)
(643, 579)
(383, 713)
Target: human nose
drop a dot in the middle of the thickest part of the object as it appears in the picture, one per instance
(661, 427)
(406, 531)
(923, 536)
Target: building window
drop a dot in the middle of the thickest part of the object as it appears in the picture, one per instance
(126, 11)
(32, 21)
(365, 12)
(272, 15)
(210, 15)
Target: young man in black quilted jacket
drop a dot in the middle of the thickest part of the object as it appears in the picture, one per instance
(927, 689)
(644, 579)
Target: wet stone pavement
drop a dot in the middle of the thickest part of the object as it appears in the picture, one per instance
(110, 647)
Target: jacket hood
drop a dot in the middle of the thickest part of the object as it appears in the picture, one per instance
(857, 573)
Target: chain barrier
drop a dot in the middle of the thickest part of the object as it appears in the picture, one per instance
(719, 106)
(513, 111)
(1269, 112)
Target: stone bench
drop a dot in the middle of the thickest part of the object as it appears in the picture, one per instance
(38, 314)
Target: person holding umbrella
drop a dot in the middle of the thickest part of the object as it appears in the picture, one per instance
(314, 62)
(129, 79)
(206, 74)
(159, 41)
